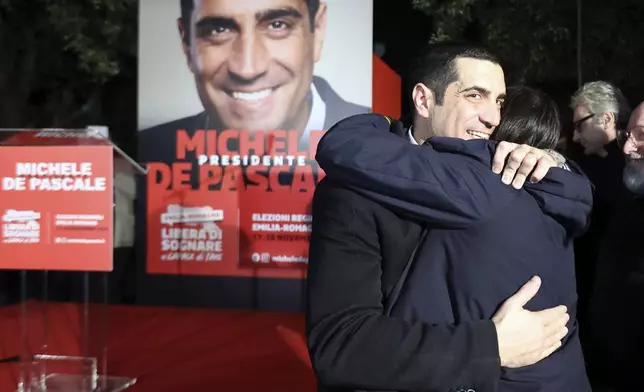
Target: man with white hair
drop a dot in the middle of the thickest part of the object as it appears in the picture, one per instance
(600, 109)
(600, 114)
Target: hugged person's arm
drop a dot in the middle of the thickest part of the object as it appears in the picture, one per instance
(445, 189)
(353, 345)
(446, 182)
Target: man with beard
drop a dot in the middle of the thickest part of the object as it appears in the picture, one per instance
(616, 317)
(633, 141)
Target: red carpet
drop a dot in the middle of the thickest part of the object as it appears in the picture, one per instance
(173, 349)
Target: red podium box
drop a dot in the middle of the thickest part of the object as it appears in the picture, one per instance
(57, 213)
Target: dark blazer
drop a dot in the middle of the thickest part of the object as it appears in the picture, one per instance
(157, 144)
(358, 250)
(486, 239)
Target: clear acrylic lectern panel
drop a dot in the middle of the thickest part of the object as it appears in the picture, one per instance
(81, 363)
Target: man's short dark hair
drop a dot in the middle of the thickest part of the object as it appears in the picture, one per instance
(187, 6)
(529, 116)
(436, 68)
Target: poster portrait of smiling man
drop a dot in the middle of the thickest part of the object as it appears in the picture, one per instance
(233, 97)
(252, 65)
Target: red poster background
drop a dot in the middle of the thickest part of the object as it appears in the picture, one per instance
(221, 261)
(275, 248)
(238, 241)
(386, 89)
(50, 253)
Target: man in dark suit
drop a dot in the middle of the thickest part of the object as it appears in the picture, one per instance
(600, 113)
(359, 249)
(253, 65)
(484, 238)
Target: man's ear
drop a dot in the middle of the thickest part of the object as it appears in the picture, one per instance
(609, 119)
(423, 99)
(185, 42)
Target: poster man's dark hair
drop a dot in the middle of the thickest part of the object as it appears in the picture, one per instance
(187, 6)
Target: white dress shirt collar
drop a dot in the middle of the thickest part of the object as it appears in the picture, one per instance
(411, 136)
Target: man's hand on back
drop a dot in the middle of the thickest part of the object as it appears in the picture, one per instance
(517, 161)
(527, 337)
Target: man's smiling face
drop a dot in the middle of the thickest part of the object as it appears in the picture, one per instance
(633, 147)
(471, 108)
(253, 60)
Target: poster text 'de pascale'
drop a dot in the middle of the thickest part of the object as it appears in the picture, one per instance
(56, 208)
(230, 160)
(54, 176)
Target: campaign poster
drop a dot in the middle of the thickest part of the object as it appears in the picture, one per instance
(233, 98)
(56, 203)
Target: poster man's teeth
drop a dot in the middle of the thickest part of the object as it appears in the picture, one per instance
(250, 97)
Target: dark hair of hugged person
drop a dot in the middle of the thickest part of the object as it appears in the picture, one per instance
(530, 117)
